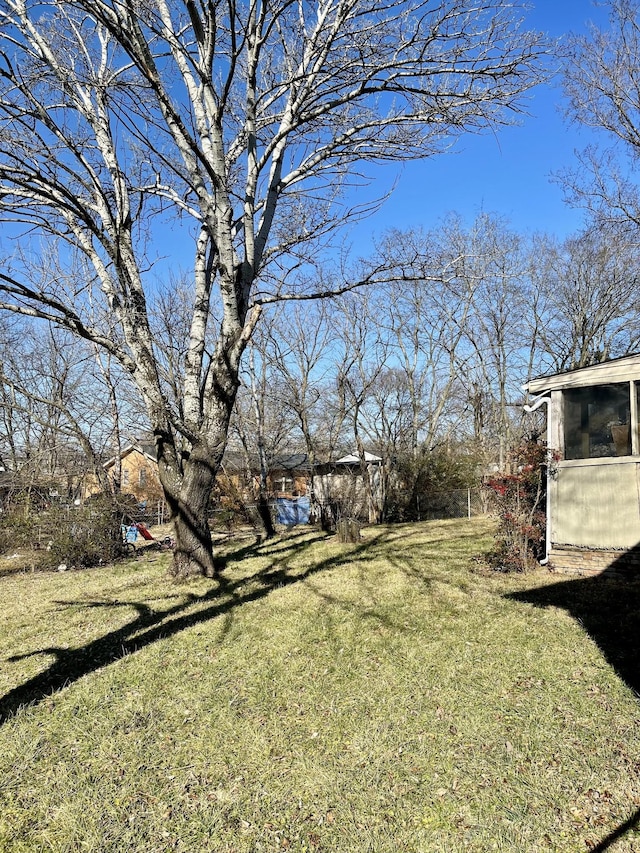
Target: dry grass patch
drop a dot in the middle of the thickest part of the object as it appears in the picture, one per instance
(379, 697)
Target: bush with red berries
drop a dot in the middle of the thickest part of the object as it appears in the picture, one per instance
(519, 502)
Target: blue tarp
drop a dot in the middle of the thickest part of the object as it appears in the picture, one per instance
(130, 533)
(292, 511)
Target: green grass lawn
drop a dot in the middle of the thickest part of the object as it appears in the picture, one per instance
(383, 696)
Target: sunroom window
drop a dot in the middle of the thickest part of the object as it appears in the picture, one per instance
(597, 421)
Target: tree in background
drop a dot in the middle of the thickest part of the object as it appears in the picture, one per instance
(499, 332)
(426, 321)
(301, 344)
(260, 421)
(587, 301)
(602, 83)
(61, 406)
(364, 353)
(240, 126)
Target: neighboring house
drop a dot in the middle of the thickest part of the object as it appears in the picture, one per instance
(593, 504)
(139, 472)
(338, 484)
(289, 476)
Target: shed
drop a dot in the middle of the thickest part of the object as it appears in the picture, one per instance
(593, 501)
(341, 484)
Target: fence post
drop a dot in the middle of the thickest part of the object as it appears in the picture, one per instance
(468, 503)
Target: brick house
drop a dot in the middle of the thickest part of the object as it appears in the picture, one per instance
(139, 473)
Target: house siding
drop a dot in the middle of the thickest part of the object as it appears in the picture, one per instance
(139, 476)
(595, 505)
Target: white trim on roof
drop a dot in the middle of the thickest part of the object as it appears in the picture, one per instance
(126, 451)
(625, 369)
(354, 459)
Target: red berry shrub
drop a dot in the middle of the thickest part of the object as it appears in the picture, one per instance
(519, 502)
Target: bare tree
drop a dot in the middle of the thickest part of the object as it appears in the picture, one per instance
(427, 321)
(14, 421)
(588, 305)
(489, 272)
(59, 405)
(243, 124)
(259, 420)
(301, 344)
(365, 351)
(602, 83)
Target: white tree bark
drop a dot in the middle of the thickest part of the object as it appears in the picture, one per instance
(244, 121)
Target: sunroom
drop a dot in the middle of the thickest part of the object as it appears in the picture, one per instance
(593, 507)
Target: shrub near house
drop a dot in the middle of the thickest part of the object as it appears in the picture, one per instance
(520, 506)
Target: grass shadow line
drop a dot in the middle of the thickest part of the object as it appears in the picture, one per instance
(149, 626)
(608, 609)
(617, 834)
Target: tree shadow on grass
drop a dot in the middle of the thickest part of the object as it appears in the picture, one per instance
(608, 608)
(618, 833)
(149, 625)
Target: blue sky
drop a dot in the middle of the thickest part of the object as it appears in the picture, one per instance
(508, 173)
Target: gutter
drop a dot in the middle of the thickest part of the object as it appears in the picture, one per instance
(532, 407)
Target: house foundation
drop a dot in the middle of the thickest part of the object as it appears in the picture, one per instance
(589, 562)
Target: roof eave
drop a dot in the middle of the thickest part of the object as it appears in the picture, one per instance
(624, 369)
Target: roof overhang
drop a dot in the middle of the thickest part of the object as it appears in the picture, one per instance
(354, 459)
(625, 369)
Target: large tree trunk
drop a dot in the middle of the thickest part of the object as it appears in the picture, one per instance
(188, 477)
(187, 486)
(188, 505)
(193, 553)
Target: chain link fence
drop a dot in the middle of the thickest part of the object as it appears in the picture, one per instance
(458, 503)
